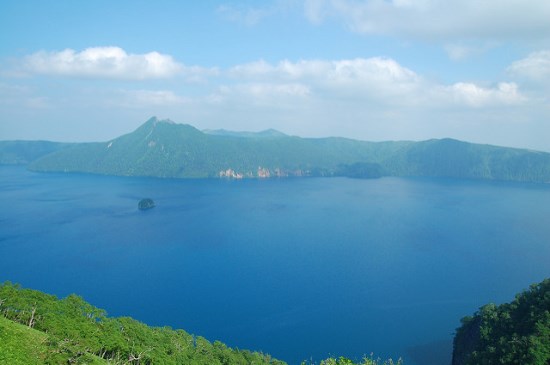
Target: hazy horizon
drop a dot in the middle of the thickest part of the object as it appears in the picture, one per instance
(368, 70)
(208, 131)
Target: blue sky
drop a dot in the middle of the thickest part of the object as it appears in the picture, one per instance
(372, 70)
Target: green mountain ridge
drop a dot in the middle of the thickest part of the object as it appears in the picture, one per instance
(268, 133)
(162, 148)
(25, 152)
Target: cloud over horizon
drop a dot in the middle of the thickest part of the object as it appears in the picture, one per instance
(102, 62)
(376, 97)
(378, 81)
(375, 80)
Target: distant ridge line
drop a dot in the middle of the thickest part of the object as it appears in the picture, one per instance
(162, 148)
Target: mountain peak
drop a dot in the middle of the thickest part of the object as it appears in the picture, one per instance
(167, 121)
(154, 121)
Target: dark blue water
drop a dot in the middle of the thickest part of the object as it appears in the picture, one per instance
(298, 268)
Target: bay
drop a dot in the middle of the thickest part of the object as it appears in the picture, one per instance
(298, 268)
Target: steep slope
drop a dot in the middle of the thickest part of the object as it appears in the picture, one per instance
(21, 345)
(42, 329)
(37, 328)
(511, 333)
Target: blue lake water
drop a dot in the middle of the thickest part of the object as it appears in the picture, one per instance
(298, 268)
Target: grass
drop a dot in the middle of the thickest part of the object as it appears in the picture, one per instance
(20, 345)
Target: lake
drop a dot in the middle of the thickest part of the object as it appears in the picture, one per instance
(298, 268)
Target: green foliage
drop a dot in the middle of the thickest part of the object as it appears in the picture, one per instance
(41, 329)
(20, 345)
(37, 328)
(452, 158)
(164, 149)
(365, 361)
(511, 333)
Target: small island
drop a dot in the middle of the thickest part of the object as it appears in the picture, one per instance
(145, 204)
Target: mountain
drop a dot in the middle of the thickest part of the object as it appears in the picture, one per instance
(511, 333)
(162, 148)
(24, 152)
(452, 158)
(268, 133)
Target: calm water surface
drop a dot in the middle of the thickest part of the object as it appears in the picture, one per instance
(298, 268)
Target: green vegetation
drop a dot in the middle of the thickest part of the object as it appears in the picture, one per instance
(24, 152)
(37, 328)
(165, 149)
(452, 158)
(511, 333)
(21, 345)
(365, 361)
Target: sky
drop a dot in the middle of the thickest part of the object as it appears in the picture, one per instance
(373, 70)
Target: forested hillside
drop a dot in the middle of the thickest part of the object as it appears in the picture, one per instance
(37, 328)
(511, 333)
(165, 149)
(161, 148)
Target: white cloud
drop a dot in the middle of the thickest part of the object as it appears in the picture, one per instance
(351, 75)
(358, 69)
(103, 62)
(148, 98)
(438, 19)
(367, 98)
(370, 73)
(535, 66)
(472, 95)
(376, 81)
